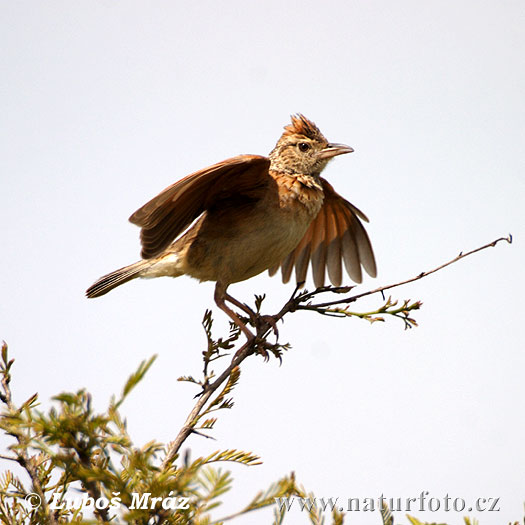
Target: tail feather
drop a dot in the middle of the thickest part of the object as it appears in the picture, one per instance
(107, 282)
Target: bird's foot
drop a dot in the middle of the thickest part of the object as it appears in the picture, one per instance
(264, 349)
(263, 322)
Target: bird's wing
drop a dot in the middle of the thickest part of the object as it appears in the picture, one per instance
(335, 235)
(168, 214)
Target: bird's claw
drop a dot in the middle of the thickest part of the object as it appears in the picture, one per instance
(267, 321)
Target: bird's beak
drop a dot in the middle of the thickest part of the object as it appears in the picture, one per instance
(332, 150)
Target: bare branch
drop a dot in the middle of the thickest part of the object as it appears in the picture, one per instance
(265, 324)
(188, 428)
(294, 303)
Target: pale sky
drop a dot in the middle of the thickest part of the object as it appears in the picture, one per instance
(105, 103)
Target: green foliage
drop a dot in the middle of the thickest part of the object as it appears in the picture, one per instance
(71, 449)
(386, 514)
(304, 301)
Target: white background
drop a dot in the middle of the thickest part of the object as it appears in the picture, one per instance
(104, 103)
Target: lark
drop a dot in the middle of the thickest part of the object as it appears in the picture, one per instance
(250, 213)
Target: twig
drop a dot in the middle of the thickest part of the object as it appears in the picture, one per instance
(202, 434)
(294, 303)
(93, 489)
(187, 429)
(9, 458)
(26, 461)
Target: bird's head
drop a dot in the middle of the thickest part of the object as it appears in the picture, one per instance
(303, 149)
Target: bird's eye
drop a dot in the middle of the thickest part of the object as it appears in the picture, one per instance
(303, 146)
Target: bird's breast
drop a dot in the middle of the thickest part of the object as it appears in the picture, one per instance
(231, 245)
(302, 194)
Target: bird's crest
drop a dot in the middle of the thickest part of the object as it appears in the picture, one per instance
(302, 126)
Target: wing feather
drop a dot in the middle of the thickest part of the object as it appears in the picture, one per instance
(364, 248)
(302, 257)
(319, 248)
(350, 253)
(334, 237)
(287, 267)
(333, 251)
(167, 215)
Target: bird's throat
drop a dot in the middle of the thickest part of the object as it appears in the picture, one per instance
(312, 182)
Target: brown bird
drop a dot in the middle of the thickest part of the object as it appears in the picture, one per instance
(249, 214)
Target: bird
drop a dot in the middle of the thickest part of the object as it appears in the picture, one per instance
(250, 213)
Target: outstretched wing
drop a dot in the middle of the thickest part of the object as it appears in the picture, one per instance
(335, 235)
(168, 214)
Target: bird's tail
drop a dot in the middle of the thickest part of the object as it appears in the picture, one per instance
(107, 282)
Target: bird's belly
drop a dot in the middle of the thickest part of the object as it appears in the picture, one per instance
(264, 249)
(235, 252)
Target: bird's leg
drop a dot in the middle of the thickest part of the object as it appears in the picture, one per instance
(220, 297)
(242, 306)
(268, 319)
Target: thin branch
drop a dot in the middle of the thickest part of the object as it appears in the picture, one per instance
(296, 302)
(26, 461)
(188, 428)
(93, 489)
(15, 459)
(193, 431)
